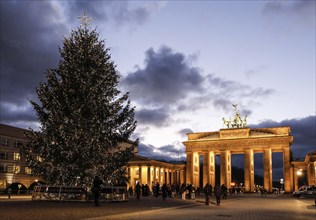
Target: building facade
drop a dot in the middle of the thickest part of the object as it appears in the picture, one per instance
(309, 166)
(149, 172)
(224, 143)
(140, 169)
(12, 163)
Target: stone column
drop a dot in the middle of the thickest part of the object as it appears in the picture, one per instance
(140, 175)
(162, 175)
(249, 171)
(167, 181)
(311, 176)
(212, 168)
(177, 177)
(267, 169)
(189, 168)
(206, 168)
(129, 182)
(196, 169)
(295, 179)
(209, 168)
(287, 170)
(182, 177)
(149, 176)
(155, 175)
(159, 175)
(225, 167)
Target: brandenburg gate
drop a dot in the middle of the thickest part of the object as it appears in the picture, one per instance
(240, 140)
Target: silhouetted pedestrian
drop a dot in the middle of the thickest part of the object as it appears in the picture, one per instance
(207, 192)
(224, 191)
(157, 189)
(130, 190)
(164, 191)
(138, 190)
(96, 189)
(217, 192)
(9, 192)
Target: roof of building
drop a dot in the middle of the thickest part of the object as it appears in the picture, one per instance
(10, 131)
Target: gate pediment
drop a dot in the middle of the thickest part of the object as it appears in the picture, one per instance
(234, 133)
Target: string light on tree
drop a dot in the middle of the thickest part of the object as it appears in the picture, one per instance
(84, 117)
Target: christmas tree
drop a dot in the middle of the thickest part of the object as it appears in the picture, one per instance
(84, 117)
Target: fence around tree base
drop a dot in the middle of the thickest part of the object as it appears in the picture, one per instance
(55, 193)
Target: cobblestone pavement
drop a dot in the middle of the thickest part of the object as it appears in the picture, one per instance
(243, 206)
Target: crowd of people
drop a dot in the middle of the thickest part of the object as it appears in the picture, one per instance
(165, 190)
(184, 191)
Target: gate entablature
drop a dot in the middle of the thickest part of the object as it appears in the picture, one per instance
(238, 140)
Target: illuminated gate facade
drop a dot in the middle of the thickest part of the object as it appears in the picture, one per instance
(247, 141)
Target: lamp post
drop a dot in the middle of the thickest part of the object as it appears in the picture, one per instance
(19, 186)
(281, 183)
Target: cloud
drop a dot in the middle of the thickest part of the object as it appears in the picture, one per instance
(292, 13)
(20, 112)
(154, 117)
(166, 152)
(183, 132)
(228, 92)
(28, 47)
(31, 33)
(169, 83)
(166, 78)
(302, 7)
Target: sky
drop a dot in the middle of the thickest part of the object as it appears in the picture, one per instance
(184, 63)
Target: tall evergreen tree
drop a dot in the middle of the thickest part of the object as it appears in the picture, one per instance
(83, 116)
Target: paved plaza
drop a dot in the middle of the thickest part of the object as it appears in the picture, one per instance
(243, 207)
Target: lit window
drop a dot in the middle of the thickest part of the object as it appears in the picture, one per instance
(16, 156)
(17, 169)
(28, 170)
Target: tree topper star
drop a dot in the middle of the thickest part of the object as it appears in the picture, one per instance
(85, 20)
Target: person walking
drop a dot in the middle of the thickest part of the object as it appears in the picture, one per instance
(157, 189)
(9, 192)
(164, 191)
(224, 191)
(207, 192)
(96, 189)
(130, 190)
(138, 190)
(217, 192)
(183, 191)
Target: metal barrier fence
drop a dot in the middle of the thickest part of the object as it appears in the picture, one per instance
(55, 193)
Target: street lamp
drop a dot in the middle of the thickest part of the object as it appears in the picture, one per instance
(299, 172)
(281, 183)
(19, 186)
